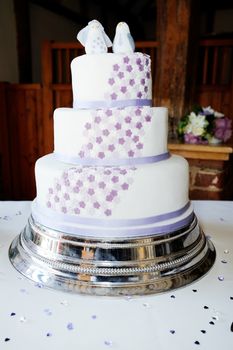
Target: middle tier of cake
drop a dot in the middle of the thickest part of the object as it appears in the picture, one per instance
(113, 133)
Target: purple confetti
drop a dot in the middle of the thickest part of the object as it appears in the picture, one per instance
(70, 326)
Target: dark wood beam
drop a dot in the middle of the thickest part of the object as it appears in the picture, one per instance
(22, 20)
(174, 19)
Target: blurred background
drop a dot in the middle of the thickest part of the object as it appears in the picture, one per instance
(191, 46)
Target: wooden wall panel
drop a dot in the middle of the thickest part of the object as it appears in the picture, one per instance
(24, 136)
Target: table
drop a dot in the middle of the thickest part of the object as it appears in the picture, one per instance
(198, 316)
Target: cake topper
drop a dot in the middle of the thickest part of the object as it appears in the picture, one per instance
(123, 41)
(93, 38)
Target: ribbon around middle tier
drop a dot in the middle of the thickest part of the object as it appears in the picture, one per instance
(111, 161)
(82, 104)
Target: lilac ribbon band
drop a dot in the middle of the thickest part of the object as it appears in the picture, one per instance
(67, 223)
(81, 104)
(111, 161)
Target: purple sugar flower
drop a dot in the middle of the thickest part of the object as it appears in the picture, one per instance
(146, 88)
(139, 94)
(81, 154)
(147, 61)
(143, 81)
(138, 112)
(139, 146)
(121, 75)
(115, 179)
(88, 126)
(139, 125)
(129, 68)
(140, 67)
(130, 153)
(91, 191)
(77, 210)
(127, 119)
(128, 133)
(114, 193)
(96, 205)
(50, 190)
(67, 196)
(138, 61)
(113, 96)
(126, 59)
(108, 112)
(49, 204)
(107, 172)
(106, 132)
(56, 199)
(118, 126)
(99, 139)
(82, 204)
(102, 184)
(64, 210)
(123, 171)
(123, 89)
(58, 187)
(148, 75)
(135, 138)
(76, 189)
(121, 141)
(67, 183)
(108, 212)
(148, 118)
(222, 129)
(101, 155)
(131, 82)
(109, 198)
(111, 81)
(111, 148)
(91, 178)
(116, 67)
(97, 120)
(79, 183)
(124, 186)
(89, 145)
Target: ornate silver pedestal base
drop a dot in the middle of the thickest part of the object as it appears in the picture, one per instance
(142, 265)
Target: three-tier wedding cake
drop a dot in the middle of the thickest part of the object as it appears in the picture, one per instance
(111, 198)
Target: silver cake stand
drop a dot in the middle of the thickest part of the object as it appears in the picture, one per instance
(112, 267)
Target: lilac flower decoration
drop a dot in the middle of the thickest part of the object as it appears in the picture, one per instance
(113, 96)
(129, 68)
(97, 120)
(116, 67)
(120, 75)
(126, 59)
(111, 148)
(131, 82)
(101, 155)
(111, 81)
(108, 212)
(123, 89)
(118, 126)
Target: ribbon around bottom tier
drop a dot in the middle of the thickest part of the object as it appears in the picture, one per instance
(112, 227)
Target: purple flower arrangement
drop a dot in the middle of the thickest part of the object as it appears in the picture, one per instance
(204, 125)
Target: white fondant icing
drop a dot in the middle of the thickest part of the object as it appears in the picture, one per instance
(153, 189)
(94, 131)
(111, 77)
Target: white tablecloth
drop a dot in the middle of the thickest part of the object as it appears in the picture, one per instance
(198, 316)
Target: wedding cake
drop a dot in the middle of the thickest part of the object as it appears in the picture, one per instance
(112, 213)
(111, 173)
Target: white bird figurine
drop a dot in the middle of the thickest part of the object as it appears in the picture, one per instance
(93, 38)
(123, 41)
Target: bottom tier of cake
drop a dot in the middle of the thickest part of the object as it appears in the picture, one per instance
(96, 266)
(123, 201)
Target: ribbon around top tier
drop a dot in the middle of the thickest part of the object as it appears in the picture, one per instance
(111, 161)
(82, 104)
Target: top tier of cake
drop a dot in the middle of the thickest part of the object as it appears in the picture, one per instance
(111, 80)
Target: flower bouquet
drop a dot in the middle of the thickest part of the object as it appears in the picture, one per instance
(204, 125)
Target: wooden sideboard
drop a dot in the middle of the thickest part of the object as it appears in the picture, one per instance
(211, 169)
